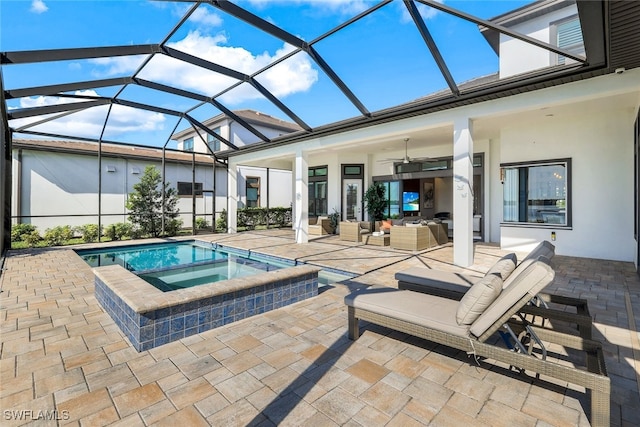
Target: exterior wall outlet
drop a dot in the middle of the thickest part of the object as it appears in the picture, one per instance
(553, 236)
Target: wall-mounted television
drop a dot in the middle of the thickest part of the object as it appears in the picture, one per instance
(410, 201)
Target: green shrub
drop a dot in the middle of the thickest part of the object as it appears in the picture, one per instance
(18, 231)
(201, 223)
(135, 232)
(221, 222)
(172, 227)
(89, 232)
(119, 230)
(32, 238)
(57, 236)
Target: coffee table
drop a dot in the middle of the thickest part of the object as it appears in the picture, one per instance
(378, 240)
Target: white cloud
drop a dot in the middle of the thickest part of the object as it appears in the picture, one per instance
(122, 65)
(38, 6)
(88, 123)
(425, 11)
(203, 15)
(295, 74)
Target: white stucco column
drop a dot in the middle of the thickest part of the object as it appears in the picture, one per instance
(232, 197)
(301, 197)
(462, 192)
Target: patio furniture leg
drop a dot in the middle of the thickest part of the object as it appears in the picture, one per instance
(354, 327)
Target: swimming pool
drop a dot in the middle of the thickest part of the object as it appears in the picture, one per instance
(151, 316)
(172, 266)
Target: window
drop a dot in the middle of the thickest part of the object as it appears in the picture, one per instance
(187, 144)
(392, 196)
(568, 36)
(184, 189)
(253, 191)
(318, 191)
(537, 192)
(213, 142)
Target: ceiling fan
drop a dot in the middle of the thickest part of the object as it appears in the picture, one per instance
(406, 159)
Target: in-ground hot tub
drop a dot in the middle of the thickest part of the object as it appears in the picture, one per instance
(151, 317)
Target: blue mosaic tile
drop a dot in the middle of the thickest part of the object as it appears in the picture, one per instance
(164, 339)
(147, 345)
(177, 335)
(204, 316)
(158, 327)
(147, 333)
(146, 319)
(216, 312)
(191, 321)
(177, 324)
(204, 326)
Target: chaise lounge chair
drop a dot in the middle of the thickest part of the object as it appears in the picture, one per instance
(455, 285)
(484, 310)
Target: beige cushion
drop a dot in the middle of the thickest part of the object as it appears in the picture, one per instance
(478, 298)
(527, 280)
(504, 267)
(421, 309)
(544, 248)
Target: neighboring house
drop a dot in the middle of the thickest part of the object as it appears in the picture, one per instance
(255, 188)
(552, 162)
(61, 182)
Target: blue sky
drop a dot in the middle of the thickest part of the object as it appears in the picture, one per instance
(381, 57)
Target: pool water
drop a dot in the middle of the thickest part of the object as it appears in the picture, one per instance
(179, 265)
(172, 266)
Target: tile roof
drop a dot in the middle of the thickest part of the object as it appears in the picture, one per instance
(109, 149)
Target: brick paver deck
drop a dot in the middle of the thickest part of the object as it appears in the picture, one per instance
(63, 357)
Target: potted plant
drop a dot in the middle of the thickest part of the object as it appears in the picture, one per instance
(334, 219)
(375, 203)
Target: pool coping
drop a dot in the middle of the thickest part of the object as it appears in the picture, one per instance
(142, 297)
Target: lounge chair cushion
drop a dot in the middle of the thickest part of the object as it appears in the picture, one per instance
(527, 280)
(504, 267)
(544, 248)
(427, 278)
(478, 298)
(421, 309)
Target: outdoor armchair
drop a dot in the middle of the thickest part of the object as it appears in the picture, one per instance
(320, 226)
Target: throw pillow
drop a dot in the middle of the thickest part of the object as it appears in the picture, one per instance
(478, 298)
(504, 267)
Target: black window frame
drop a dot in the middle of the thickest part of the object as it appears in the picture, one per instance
(524, 205)
(252, 182)
(318, 206)
(184, 189)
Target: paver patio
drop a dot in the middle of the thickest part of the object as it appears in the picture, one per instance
(293, 366)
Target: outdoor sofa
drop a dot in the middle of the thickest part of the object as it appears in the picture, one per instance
(485, 309)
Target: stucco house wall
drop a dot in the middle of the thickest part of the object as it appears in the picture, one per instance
(600, 146)
(54, 187)
(518, 57)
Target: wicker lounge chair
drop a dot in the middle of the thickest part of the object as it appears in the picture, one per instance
(455, 285)
(468, 324)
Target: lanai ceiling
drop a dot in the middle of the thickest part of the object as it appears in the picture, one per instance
(326, 70)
